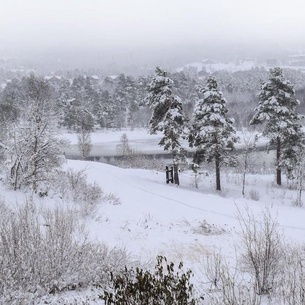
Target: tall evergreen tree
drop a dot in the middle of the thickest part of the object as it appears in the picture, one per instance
(277, 109)
(212, 133)
(167, 116)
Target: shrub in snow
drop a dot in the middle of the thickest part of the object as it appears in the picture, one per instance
(49, 252)
(112, 199)
(254, 194)
(163, 286)
(137, 159)
(83, 191)
(206, 228)
(290, 289)
(74, 186)
(262, 249)
(228, 287)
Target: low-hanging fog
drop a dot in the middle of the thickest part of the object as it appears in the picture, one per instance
(108, 34)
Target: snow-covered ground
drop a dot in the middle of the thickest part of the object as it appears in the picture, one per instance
(153, 216)
(183, 223)
(105, 142)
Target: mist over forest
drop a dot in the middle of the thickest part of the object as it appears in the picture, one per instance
(139, 60)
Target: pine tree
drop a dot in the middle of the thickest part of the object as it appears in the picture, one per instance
(167, 116)
(212, 132)
(277, 109)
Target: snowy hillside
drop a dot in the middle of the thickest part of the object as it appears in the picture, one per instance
(150, 218)
(154, 216)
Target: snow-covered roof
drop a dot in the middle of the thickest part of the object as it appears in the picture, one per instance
(95, 77)
(53, 77)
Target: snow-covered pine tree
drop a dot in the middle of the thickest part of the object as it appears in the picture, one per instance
(212, 133)
(167, 117)
(277, 109)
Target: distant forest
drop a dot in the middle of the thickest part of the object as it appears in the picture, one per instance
(89, 101)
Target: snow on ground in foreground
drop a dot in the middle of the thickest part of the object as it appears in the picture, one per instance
(154, 218)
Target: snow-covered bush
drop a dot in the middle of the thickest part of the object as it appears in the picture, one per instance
(47, 252)
(83, 191)
(74, 186)
(206, 228)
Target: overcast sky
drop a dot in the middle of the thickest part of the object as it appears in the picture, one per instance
(58, 23)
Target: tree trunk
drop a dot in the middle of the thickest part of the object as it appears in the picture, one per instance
(217, 164)
(244, 184)
(244, 173)
(278, 155)
(36, 165)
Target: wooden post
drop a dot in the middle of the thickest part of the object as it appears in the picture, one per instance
(169, 175)
(217, 164)
(176, 174)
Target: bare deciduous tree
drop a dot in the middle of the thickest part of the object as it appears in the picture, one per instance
(34, 150)
(84, 143)
(248, 141)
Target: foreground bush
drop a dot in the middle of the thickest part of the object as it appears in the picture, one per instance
(48, 252)
(228, 286)
(164, 286)
(263, 248)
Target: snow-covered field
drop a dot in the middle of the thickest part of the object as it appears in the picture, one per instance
(183, 223)
(158, 218)
(105, 142)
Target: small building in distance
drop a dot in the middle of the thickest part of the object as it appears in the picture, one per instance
(53, 79)
(297, 60)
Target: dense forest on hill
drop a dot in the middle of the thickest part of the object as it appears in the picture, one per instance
(88, 101)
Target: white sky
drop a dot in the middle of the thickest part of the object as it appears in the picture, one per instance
(145, 22)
